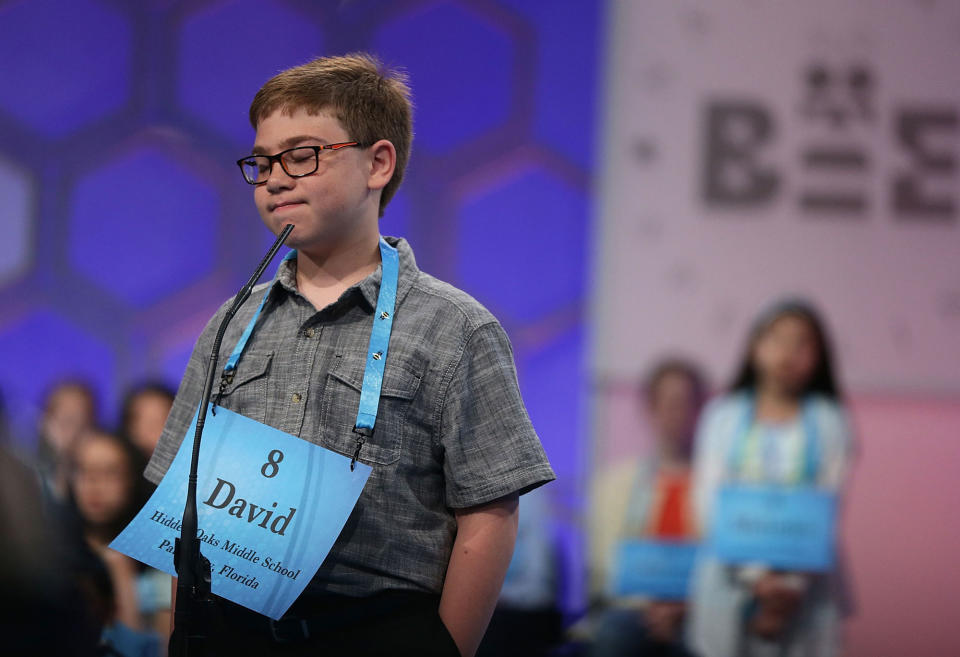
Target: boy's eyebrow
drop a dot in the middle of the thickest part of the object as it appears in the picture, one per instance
(289, 142)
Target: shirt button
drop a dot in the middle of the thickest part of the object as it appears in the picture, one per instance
(308, 333)
(297, 397)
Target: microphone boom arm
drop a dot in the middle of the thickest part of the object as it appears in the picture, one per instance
(193, 569)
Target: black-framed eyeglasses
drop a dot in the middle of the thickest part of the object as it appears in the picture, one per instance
(296, 162)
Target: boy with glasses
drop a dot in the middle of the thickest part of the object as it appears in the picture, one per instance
(419, 564)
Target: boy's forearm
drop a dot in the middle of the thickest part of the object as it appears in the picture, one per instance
(478, 563)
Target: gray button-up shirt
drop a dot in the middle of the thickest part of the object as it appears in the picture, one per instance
(452, 431)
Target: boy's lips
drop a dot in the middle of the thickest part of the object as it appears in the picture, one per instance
(285, 204)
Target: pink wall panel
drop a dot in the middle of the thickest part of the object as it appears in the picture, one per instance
(902, 528)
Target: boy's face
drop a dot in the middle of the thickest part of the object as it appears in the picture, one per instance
(673, 410)
(328, 208)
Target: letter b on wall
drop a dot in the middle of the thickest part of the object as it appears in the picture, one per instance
(735, 133)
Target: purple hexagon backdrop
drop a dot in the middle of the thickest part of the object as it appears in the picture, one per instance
(125, 222)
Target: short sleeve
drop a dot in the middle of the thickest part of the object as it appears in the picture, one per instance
(185, 404)
(490, 447)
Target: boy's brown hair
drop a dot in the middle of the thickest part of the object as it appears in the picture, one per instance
(370, 102)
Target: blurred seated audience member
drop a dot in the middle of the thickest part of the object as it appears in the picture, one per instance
(45, 569)
(145, 410)
(647, 499)
(527, 621)
(106, 476)
(781, 425)
(69, 409)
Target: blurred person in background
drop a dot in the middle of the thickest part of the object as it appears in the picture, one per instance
(145, 410)
(782, 424)
(648, 499)
(44, 568)
(105, 490)
(527, 621)
(69, 410)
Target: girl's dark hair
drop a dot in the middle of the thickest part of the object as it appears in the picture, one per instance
(822, 381)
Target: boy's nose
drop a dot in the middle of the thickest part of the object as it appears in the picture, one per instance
(278, 179)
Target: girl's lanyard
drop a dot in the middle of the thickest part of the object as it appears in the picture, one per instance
(742, 438)
(376, 353)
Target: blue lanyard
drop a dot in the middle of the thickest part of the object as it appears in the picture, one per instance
(376, 352)
(811, 465)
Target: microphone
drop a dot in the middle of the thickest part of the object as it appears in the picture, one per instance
(193, 613)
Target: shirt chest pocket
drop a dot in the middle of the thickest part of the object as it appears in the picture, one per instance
(245, 391)
(341, 397)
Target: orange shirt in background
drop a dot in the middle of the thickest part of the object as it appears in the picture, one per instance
(670, 514)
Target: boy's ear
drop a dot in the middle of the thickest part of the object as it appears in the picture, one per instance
(382, 164)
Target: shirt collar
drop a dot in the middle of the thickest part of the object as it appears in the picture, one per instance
(369, 287)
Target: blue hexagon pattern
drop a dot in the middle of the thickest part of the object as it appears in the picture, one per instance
(568, 35)
(66, 63)
(17, 192)
(43, 347)
(552, 381)
(225, 57)
(142, 226)
(522, 244)
(173, 362)
(458, 60)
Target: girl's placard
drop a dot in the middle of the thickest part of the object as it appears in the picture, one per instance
(785, 528)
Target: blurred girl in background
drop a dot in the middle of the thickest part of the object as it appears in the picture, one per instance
(106, 488)
(782, 424)
(105, 479)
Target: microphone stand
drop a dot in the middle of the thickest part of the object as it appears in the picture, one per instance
(193, 610)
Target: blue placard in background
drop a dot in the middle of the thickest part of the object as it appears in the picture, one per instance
(656, 569)
(785, 528)
(269, 508)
